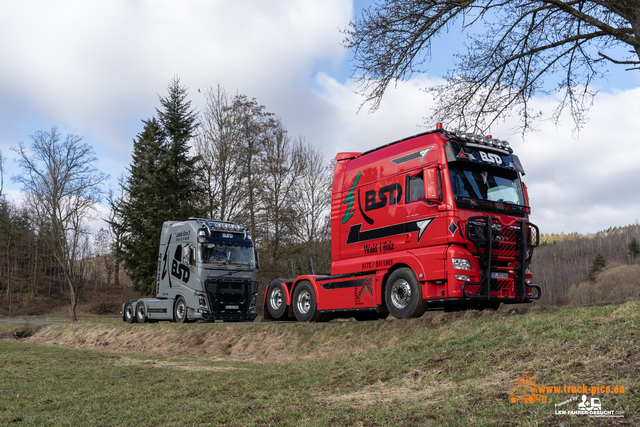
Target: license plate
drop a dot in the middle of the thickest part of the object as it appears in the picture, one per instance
(231, 307)
(499, 275)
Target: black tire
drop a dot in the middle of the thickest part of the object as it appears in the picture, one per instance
(141, 313)
(403, 294)
(304, 303)
(276, 300)
(180, 310)
(129, 313)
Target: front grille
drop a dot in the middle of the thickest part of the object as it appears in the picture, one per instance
(223, 292)
(501, 247)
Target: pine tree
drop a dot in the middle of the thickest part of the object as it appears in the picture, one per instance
(634, 248)
(139, 213)
(598, 264)
(183, 179)
(164, 184)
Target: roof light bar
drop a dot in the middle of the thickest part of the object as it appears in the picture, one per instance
(482, 140)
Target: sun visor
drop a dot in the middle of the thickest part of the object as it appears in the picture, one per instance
(486, 155)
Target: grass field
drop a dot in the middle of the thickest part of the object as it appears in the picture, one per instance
(441, 369)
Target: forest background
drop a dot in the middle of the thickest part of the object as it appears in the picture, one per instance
(232, 161)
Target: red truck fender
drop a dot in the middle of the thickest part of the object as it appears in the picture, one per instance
(311, 279)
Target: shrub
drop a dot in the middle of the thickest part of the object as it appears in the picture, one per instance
(614, 283)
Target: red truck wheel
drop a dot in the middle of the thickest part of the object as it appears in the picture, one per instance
(276, 300)
(304, 303)
(403, 294)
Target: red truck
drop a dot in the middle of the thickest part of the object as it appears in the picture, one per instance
(438, 220)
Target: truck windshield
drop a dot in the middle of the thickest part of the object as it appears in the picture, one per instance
(492, 184)
(217, 253)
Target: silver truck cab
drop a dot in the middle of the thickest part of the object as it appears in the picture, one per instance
(206, 270)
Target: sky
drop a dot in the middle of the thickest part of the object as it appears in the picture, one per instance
(96, 68)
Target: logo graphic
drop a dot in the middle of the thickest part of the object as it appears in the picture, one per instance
(349, 199)
(178, 269)
(416, 155)
(367, 287)
(490, 158)
(395, 195)
(586, 405)
(164, 262)
(356, 235)
(526, 390)
(465, 155)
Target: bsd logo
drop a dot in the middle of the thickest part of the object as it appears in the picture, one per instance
(178, 269)
(394, 192)
(490, 158)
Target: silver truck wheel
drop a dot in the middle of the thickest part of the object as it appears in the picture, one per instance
(304, 303)
(180, 310)
(141, 314)
(129, 314)
(403, 294)
(400, 294)
(276, 300)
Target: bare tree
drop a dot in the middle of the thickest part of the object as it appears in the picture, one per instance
(252, 125)
(220, 151)
(115, 222)
(524, 48)
(102, 242)
(61, 186)
(313, 203)
(283, 166)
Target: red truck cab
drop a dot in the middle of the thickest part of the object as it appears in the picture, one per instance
(438, 220)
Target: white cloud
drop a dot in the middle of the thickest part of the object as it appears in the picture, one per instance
(586, 184)
(96, 69)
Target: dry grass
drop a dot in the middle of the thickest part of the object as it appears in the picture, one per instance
(441, 369)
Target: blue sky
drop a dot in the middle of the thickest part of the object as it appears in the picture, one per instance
(96, 69)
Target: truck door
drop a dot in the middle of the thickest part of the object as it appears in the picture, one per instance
(420, 212)
(381, 229)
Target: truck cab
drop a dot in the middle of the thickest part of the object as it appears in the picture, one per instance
(439, 220)
(206, 271)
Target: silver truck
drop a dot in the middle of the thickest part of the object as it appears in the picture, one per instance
(206, 271)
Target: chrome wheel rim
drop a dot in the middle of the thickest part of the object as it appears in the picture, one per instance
(276, 298)
(400, 293)
(128, 311)
(180, 310)
(304, 302)
(141, 311)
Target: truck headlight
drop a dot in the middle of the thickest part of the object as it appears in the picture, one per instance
(463, 277)
(202, 301)
(461, 264)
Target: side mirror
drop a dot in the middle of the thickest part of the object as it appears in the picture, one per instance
(255, 252)
(432, 185)
(191, 255)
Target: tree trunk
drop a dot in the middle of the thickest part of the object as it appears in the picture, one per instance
(74, 301)
(34, 282)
